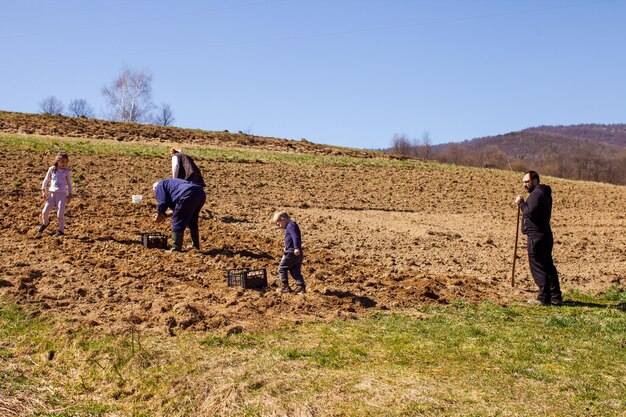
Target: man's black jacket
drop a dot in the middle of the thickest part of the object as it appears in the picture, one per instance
(537, 210)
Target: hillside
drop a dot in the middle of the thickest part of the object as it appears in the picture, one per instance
(614, 134)
(80, 127)
(378, 236)
(409, 305)
(585, 152)
(380, 233)
(534, 145)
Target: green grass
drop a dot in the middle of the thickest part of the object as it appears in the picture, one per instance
(208, 153)
(461, 359)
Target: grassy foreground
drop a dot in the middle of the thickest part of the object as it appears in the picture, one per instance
(454, 360)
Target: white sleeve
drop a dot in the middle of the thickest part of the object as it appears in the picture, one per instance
(175, 166)
(47, 179)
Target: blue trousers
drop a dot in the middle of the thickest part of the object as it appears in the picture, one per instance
(292, 264)
(187, 211)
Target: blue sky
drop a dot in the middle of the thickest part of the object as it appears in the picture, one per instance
(343, 72)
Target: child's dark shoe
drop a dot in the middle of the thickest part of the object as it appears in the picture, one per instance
(42, 227)
(59, 233)
(283, 288)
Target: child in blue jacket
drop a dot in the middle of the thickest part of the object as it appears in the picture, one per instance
(292, 256)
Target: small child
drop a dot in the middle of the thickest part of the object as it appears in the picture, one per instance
(59, 180)
(292, 256)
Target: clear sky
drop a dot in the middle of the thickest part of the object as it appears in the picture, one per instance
(343, 72)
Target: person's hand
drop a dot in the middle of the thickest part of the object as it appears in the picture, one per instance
(69, 197)
(44, 194)
(296, 252)
(159, 218)
(519, 200)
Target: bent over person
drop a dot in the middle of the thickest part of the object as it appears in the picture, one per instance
(185, 199)
(291, 262)
(184, 167)
(537, 210)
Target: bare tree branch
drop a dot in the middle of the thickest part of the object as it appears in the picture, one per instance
(51, 105)
(402, 145)
(129, 96)
(79, 107)
(426, 147)
(164, 115)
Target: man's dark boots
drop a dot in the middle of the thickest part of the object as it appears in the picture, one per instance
(195, 239)
(177, 242)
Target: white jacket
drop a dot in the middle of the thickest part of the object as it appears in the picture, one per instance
(59, 179)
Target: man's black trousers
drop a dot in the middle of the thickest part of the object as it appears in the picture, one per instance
(542, 268)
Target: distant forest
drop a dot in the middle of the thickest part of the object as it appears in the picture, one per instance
(589, 152)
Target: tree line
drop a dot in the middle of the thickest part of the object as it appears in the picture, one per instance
(128, 98)
(554, 155)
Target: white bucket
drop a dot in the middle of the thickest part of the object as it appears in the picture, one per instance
(137, 199)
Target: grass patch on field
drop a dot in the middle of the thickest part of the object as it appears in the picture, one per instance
(149, 150)
(458, 360)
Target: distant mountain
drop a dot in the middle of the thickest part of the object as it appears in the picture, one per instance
(612, 134)
(535, 144)
(591, 152)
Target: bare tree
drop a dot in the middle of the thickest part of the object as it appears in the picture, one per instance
(80, 108)
(426, 147)
(129, 96)
(51, 105)
(492, 157)
(164, 115)
(402, 145)
(451, 154)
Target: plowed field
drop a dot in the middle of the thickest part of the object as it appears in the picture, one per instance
(374, 238)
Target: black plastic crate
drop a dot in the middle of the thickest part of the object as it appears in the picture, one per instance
(247, 278)
(154, 240)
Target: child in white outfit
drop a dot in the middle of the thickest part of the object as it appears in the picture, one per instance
(59, 180)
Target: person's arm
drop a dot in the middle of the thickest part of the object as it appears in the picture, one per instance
(161, 198)
(295, 238)
(46, 182)
(531, 208)
(69, 183)
(175, 166)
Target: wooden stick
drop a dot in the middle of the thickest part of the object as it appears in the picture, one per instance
(515, 249)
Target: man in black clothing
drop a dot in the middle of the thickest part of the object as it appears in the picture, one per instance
(537, 210)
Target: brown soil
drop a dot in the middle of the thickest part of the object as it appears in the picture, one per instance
(81, 127)
(375, 238)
